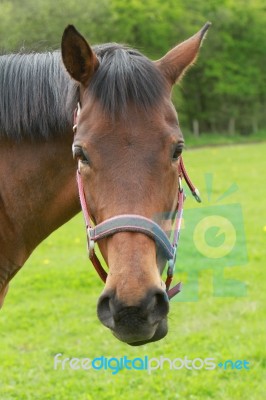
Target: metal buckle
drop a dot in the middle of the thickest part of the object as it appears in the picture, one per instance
(196, 195)
(171, 264)
(78, 109)
(76, 116)
(91, 243)
(180, 187)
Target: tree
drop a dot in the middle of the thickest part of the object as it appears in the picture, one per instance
(224, 91)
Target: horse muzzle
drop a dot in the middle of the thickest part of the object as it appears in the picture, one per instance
(139, 324)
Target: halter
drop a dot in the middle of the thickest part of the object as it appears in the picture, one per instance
(137, 223)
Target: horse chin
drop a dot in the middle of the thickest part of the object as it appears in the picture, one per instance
(136, 340)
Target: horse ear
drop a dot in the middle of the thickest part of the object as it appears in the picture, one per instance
(174, 64)
(78, 57)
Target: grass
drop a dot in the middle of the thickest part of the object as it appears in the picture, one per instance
(51, 305)
(218, 139)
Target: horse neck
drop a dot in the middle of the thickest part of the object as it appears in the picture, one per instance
(37, 194)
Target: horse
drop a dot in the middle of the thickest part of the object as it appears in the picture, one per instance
(127, 145)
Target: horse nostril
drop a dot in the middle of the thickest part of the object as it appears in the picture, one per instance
(160, 307)
(105, 312)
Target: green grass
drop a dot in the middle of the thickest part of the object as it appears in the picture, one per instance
(217, 139)
(51, 308)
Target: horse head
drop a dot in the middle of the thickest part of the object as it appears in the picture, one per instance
(128, 144)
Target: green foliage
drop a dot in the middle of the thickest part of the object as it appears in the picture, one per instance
(39, 24)
(224, 91)
(51, 308)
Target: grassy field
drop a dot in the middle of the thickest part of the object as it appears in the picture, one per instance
(51, 305)
(218, 139)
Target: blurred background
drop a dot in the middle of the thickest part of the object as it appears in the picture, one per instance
(222, 98)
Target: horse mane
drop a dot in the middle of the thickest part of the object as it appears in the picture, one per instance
(38, 98)
(125, 76)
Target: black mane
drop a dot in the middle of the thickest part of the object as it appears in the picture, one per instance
(38, 98)
(124, 76)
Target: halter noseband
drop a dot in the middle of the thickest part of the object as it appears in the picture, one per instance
(137, 223)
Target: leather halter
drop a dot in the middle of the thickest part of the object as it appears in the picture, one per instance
(137, 223)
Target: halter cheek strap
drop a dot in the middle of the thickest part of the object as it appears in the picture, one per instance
(137, 223)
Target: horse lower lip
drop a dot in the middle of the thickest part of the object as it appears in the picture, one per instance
(157, 332)
(133, 340)
(139, 343)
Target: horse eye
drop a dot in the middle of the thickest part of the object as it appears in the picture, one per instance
(80, 154)
(177, 152)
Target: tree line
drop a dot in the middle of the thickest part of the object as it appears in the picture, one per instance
(226, 89)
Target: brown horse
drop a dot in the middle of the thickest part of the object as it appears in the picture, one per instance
(127, 144)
